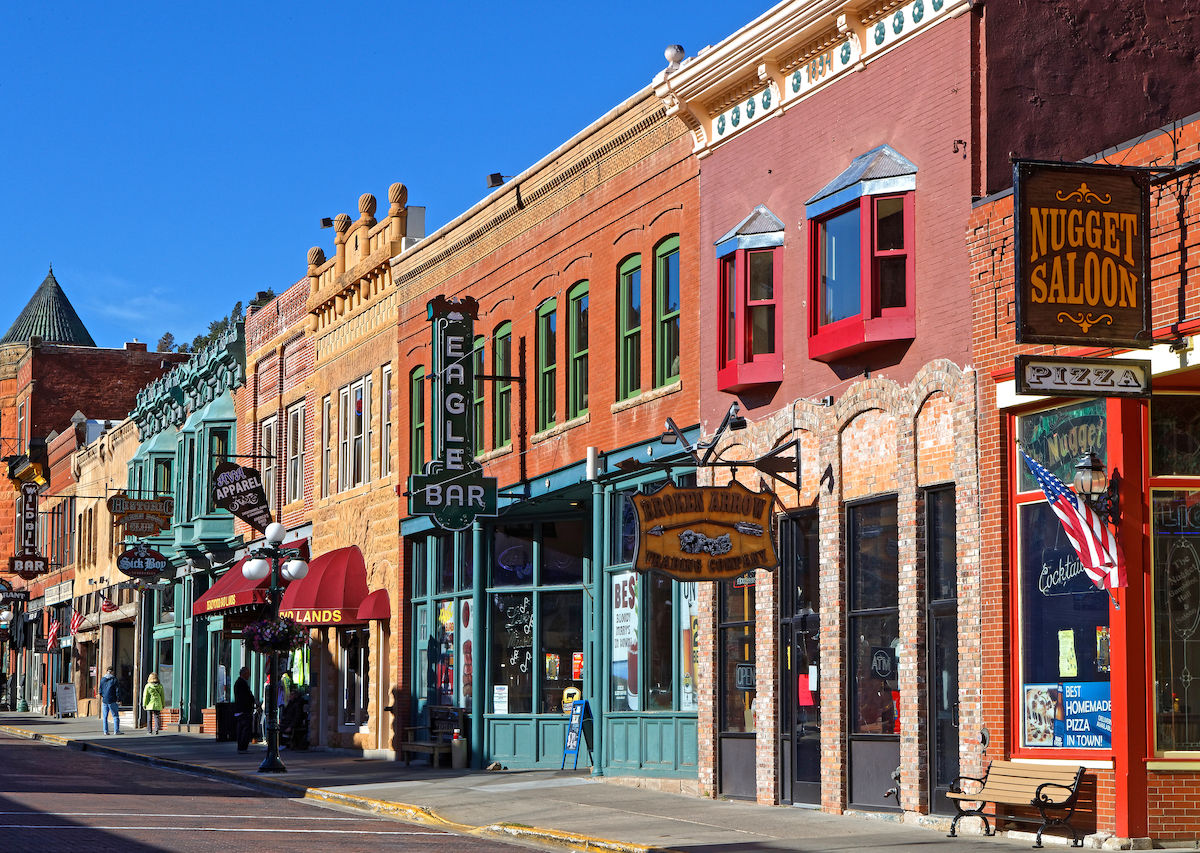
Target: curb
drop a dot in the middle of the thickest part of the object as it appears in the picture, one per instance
(385, 808)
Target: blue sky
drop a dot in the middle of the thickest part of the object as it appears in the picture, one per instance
(171, 159)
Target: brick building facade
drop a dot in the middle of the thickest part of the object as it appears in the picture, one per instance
(1136, 659)
(583, 267)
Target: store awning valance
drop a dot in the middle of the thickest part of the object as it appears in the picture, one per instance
(331, 592)
(232, 589)
(376, 606)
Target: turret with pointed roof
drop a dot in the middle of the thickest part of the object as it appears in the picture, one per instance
(49, 316)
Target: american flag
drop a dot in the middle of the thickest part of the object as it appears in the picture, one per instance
(52, 631)
(106, 604)
(1091, 538)
(76, 622)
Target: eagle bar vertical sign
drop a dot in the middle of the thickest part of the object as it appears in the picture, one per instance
(453, 489)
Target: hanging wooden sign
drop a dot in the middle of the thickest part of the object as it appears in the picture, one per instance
(240, 490)
(1082, 249)
(704, 533)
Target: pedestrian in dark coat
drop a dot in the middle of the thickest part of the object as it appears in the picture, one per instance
(244, 704)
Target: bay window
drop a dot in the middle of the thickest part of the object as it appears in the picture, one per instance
(750, 261)
(861, 235)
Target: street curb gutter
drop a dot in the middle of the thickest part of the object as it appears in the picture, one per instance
(399, 811)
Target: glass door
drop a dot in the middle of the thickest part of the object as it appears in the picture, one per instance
(799, 643)
(942, 699)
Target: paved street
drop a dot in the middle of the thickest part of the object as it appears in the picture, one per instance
(545, 809)
(54, 799)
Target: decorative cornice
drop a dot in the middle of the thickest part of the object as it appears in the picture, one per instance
(785, 55)
(209, 373)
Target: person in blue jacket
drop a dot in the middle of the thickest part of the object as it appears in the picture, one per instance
(109, 700)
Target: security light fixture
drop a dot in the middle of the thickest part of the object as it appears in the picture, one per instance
(495, 179)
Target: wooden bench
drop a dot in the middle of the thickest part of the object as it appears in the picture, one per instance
(1051, 789)
(434, 739)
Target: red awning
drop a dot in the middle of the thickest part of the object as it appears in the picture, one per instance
(232, 589)
(377, 605)
(331, 592)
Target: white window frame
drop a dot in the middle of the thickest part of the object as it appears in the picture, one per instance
(326, 437)
(354, 440)
(385, 447)
(294, 482)
(268, 443)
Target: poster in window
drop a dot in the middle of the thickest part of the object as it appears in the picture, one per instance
(625, 641)
(689, 644)
(1044, 715)
(444, 672)
(465, 652)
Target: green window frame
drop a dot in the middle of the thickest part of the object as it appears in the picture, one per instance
(629, 327)
(502, 392)
(416, 420)
(577, 350)
(478, 397)
(666, 311)
(547, 364)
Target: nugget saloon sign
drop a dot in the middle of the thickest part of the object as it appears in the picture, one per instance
(705, 533)
(1082, 254)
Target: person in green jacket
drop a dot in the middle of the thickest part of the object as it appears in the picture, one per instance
(153, 700)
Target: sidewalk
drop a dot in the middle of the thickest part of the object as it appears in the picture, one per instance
(566, 808)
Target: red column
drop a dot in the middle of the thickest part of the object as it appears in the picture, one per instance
(1130, 625)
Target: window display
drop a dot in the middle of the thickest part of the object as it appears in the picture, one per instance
(873, 561)
(1175, 518)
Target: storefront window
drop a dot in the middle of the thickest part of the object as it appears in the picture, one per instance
(354, 674)
(512, 653)
(1065, 696)
(660, 638)
(560, 624)
(443, 555)
(874, 568)
(1176, 547)
(417, 558)
(738, 684)
(564, 546)
(1058, 437)
(625, 530)
(166, 605)
(164, 665)
(441, 652)
(649, 668)
(513, 565)
(222, 655)
(1175, 436)
(625, 645)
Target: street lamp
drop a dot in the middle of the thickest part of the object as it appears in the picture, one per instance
(271, 559)
(1102, 494)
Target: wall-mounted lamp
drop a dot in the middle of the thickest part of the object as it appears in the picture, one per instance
(326, 222)
(1102, 493)
(495, 179)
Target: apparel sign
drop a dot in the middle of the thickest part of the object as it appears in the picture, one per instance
(141, 561)
(453, 489)
(27, 563)
(141, 516)
(704, 533)
(1082, 254)
(240, 490)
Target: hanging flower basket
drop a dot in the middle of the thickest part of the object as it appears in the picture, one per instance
(275, 635)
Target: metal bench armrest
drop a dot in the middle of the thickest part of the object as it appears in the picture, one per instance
(1040, 796)
(956, 787)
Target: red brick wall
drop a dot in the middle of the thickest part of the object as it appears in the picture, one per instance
(916, 99)
(990, 244)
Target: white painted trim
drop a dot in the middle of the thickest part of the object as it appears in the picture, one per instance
(1163, 362)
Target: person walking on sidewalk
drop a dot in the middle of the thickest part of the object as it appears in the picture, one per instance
(109, 692)
(153, 700)
(243, 708)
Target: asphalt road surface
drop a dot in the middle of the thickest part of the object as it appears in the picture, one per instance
(56, 799)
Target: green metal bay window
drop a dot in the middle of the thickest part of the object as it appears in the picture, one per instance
(547, 363)
(629, 328)
(577, 350)
(502, 392)
(666, 312)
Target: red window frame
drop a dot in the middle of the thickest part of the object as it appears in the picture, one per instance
(873, 325)
(737, 366)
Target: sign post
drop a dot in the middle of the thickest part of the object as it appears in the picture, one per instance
(453, 489)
